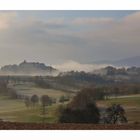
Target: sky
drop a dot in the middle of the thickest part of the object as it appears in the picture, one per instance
(68, 38)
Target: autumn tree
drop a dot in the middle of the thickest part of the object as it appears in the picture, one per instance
(82, 109)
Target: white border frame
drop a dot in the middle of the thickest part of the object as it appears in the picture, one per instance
(69, 135)
(69, 4)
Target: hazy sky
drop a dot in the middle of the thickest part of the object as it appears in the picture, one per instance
(55, 37)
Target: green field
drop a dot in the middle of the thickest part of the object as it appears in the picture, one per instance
(15, 109)
(30, 89)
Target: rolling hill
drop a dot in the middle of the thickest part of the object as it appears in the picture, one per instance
(28, 68)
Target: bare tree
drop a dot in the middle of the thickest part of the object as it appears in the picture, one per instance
(115, 114)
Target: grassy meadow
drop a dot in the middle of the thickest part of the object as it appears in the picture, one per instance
(15, 109)
(131, 105)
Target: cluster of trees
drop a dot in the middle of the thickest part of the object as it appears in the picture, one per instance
(107, 91)
(76, 79)
(124, 89)
(71, 81)
(122, 71)
(39, 81)
(114, 71)
(44, 99)
(5, 91)
(89, 114)
(83, 109)
(19, 79)
(63, 99)
(35, 100)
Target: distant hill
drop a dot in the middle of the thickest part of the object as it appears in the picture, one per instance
(28, 68)
(131, 61)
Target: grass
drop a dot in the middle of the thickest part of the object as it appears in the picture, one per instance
(20, 113)
(128, 101)
(32, 114)
(130, 104)
(7, 104)
(31, 89)
(15, 110)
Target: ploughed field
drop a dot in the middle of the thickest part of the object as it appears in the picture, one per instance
(56, 126)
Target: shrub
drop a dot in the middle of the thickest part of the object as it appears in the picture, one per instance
(88, 115)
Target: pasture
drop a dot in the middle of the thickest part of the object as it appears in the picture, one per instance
(15, 109)
(131, 105)
(30, 89)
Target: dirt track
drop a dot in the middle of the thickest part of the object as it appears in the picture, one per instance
(33, 126)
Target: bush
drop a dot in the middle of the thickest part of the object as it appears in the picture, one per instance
(86, 96)
(63, 99)
(88, 115)
(39, 81)
(82, 109)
